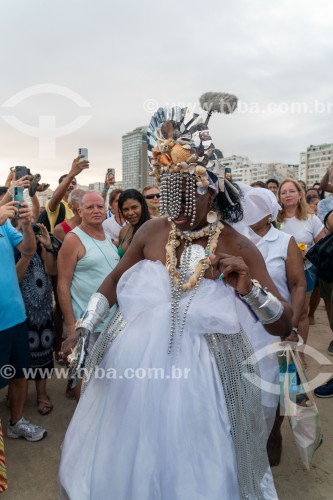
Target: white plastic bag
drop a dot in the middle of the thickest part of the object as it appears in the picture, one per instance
(299, 405)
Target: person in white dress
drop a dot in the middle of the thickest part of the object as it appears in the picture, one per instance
(285, 266)
(177, 414)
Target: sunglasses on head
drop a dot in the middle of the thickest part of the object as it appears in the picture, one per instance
(152, 196)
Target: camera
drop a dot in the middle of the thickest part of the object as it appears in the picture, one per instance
(36, 229)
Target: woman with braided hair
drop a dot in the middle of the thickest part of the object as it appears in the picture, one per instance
(180, 416)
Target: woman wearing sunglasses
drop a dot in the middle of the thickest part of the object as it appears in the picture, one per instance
(152, 197)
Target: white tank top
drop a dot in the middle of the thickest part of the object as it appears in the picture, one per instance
(100, 259)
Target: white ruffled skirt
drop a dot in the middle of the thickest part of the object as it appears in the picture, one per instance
(155, 426)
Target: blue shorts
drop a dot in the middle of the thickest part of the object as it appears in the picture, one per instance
(310, 276)
(14, 353)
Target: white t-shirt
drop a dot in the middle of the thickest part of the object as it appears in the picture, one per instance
(304, 231)
(112, 228)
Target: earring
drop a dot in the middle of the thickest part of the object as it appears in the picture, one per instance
(211, 217)
(269, 220)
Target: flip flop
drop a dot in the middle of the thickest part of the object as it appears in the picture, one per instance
(33, 185)
(42, 187)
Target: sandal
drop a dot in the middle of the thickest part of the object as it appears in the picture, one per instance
(44, 406)
(59, 360)
(42, 187)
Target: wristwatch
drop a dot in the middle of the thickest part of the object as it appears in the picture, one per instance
(295, 329)
(50, 250)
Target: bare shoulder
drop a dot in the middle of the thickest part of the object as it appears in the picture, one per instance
(234, 243)
(153, 226)
(71, 243)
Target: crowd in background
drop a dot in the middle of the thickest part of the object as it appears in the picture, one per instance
(57, 255)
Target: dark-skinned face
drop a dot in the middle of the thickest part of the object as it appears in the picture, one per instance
(203, 206)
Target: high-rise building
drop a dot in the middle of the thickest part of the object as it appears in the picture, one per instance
(279, 171)
(81, 186)
(244, 170)
(43, 197)
(240, 168)
(315, 162)
(302, 167)
(135, 159)
(96, 186)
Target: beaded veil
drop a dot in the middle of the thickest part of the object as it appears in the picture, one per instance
(180, 147)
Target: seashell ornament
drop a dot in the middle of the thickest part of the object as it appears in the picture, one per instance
(211, 217)
(179, 154)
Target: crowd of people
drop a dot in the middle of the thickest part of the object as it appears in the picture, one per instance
(196, 272)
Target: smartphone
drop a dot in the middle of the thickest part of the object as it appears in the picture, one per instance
(18, 195)
(56, 243)
(228, 174)
(84, 152)
(111, 174)
(36, 229)
(21, 172)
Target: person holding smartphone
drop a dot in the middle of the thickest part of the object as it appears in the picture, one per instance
(59, 201)
(14, 340)
(8, 190)
(108, 182)
(34, 276)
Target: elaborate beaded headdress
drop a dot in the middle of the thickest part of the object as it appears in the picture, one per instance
(180, 147)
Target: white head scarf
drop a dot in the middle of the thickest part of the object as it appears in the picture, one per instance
(257, 204)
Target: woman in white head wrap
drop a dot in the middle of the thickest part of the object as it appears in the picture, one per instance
(282, 256)
(285, 266)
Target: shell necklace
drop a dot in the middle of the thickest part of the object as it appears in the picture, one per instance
(213, 232)
(187, 262)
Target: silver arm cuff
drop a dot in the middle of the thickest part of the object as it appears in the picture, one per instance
(264, 304)
(97, 310)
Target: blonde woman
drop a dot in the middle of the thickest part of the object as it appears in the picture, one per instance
(297, 218)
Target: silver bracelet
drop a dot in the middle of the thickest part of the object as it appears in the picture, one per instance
(264, 304)
(96, 312)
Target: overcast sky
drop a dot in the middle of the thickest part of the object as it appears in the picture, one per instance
(105, 66)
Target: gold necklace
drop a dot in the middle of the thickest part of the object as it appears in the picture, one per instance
(213, 232)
